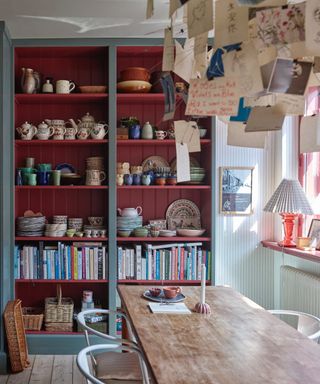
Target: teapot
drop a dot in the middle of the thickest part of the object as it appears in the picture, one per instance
(44, 131)
(30, 80)
(130, 212)
(87, 121)
(27, 131)
(99, 130)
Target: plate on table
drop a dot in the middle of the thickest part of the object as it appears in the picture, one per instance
(162, 299)
(65, 168)
(153, 162)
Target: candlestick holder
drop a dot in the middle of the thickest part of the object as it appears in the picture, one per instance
(202, 308)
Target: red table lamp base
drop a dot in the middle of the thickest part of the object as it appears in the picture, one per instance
(288, 224)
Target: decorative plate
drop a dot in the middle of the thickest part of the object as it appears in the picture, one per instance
(162, 299)
(193, 163)
(65, 168)
(183, 213)
(152, 162)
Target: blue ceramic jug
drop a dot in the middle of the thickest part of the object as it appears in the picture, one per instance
(134, 131)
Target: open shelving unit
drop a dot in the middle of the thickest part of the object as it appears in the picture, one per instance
(92, 65)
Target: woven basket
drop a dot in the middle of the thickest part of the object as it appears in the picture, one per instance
(58, 327)
(58, 309)
(32, 318)
(16, 337)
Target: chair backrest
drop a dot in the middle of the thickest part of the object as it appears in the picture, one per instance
(305, 323)
(83, 365)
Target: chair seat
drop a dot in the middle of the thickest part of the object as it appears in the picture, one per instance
(114, 367)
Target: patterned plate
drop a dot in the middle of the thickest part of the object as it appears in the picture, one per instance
(152, 162)
(183, 213)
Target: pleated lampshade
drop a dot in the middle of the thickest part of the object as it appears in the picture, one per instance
(289, 197)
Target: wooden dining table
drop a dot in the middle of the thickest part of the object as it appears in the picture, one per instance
(238, 343)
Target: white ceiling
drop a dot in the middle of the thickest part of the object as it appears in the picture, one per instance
(83, 18)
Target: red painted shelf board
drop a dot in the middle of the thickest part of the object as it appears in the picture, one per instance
(82, 281)
(166, 282)
(143, 97)
(60, 187)
(23, 98)
(65, 238)
(59, 142)
(173, 239)
(154, 142)
(307, 255)
(162, 187)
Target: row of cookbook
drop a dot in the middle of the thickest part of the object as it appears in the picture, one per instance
(89, 261)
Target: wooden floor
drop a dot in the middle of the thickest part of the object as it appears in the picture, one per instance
(47, 369)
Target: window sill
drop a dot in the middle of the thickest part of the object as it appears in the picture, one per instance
(307, 255)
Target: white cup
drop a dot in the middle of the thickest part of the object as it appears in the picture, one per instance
(64, 86)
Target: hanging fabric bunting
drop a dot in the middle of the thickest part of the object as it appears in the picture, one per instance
(243, 112)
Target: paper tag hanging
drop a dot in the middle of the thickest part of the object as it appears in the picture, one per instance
(309, 134)
(200, 17)
(168, 51)
(183, 162)
(150, 8)
(187, 132)
(239, 138)
(264, 119)
(183, 63)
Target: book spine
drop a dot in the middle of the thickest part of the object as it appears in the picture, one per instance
(138, 272)
(100, 263)
(95, 261)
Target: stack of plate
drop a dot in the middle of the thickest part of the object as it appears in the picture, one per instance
(95, 162)
(125, 223)
(30, 226)
(55, 230)
(197, 175)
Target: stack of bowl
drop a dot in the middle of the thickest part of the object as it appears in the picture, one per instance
(75, 223)
(126, 224)
(55, 230)
(134, 80)
(60, 219)
(197, 175)
(31, 225)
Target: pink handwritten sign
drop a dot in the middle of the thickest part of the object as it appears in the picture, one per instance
(215, 97)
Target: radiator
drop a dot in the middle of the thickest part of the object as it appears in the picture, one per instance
(300, 291)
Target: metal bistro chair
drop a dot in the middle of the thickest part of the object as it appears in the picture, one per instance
(305, 323)
(110, 365)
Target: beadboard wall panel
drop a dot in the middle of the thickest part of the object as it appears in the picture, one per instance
(241, 262)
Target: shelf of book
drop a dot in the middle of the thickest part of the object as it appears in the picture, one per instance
(59, 281)
(162, 282)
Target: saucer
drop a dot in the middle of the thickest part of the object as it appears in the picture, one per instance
(162, 299)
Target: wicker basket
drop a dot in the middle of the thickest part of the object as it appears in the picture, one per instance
(58, 309)
(32, 318)
(16, 337)
(58, 327)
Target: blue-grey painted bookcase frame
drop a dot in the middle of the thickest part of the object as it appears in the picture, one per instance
(61, 344)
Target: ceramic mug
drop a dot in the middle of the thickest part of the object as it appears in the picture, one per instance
(160, 135)
(136, 179)
(59, 132)
(32, 178)
(128, 179)
(120, 180)
(43, 177)
(171, 292)
(94, 177)
(64, 86)
(146, 179)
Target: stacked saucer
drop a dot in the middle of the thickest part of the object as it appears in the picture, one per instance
(30, 226)
(126, 223)
(95, 162)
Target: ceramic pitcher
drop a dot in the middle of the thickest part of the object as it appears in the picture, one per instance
(27, 131)
(29, 80)
(130, 212)
(99, 130)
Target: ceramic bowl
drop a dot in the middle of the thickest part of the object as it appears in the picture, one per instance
(134, 86)
(155, 291)
(135, 73)
(96, 220)
(124, 233)
(190, 232)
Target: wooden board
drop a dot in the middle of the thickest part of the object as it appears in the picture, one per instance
(239, 342)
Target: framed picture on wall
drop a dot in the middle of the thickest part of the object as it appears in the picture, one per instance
(314, 233)
(235, 197)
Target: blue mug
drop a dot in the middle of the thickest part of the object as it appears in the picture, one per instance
(43, 177)
(135, 131)
(128, 179)
(136, 179)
